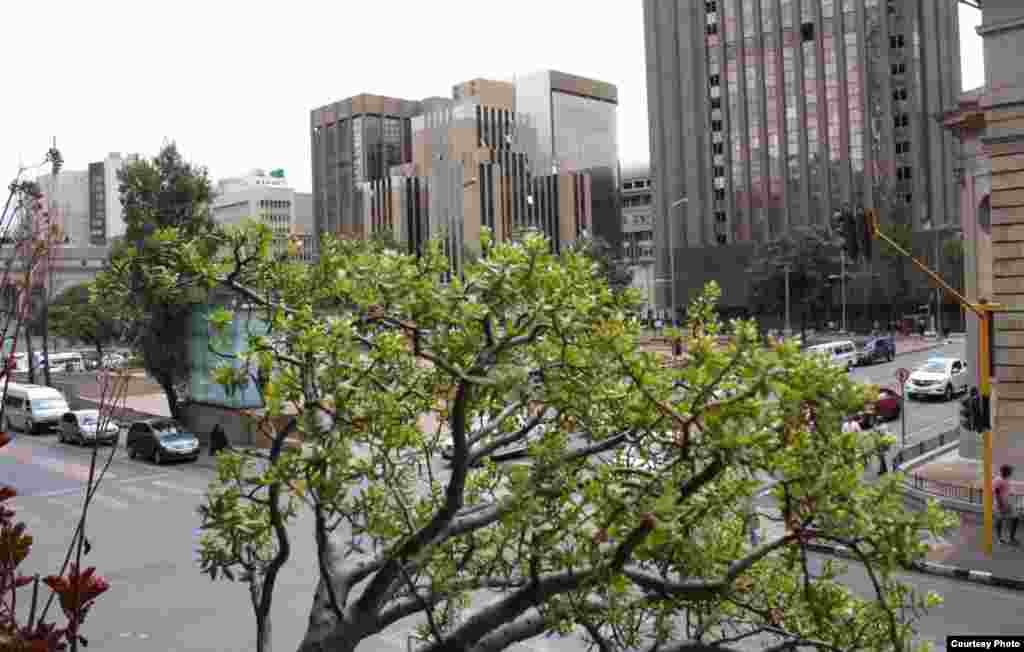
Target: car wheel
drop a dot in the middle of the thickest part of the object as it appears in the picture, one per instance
(132, 453)
(891, 356)
(948, 394)
(7, 425)
(30, 427)
(158, 457)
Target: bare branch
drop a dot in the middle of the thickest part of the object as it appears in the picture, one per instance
(700, 589)
(523, 629)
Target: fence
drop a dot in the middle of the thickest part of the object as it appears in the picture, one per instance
(974, 495)
(922, 447)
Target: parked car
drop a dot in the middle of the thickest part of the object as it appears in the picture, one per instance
(842, 354)
(887, 407)
(83, 427)
(877, 349)
(113, 361)
(33, 407)
(938, 377)
(161, 440)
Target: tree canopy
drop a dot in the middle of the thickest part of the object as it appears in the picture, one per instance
(164, 198)
(645, 550)
(74, 316)
(610, 265)
(812, 255)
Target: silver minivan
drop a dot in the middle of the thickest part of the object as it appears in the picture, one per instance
(33, 407)
(842, 354)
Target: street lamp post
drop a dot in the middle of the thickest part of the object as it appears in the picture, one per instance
(672, 257)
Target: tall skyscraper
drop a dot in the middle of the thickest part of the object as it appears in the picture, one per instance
(772, 114)
(540, 151)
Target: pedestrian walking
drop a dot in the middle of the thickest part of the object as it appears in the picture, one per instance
(1003, 507)
(218, 440)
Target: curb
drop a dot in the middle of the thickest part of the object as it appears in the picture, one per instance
(932, 568)
(937, 345)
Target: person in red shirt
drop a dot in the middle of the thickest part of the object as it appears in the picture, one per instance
(1003, 507)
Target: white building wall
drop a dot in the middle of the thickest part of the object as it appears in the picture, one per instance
(112, 164)
(257, 196)
(69, 198)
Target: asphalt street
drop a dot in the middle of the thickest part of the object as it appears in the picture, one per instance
(924, 418)
(143, 530)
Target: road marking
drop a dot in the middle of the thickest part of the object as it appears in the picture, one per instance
(178, 487)
(142, 494)
(64, 492)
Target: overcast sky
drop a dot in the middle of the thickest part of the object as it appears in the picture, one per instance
(233, 82)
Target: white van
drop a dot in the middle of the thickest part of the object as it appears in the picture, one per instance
(842, 354)
(33, 407)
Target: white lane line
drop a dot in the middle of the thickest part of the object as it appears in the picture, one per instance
(141, 494)
(65, 492)
(178, 487)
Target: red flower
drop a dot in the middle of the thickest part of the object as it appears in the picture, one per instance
(77, 590)
(5, 439)
(6, 493)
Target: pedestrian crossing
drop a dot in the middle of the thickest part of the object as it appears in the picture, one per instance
(114, 497)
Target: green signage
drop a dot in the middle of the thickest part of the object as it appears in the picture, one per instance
(277, 174)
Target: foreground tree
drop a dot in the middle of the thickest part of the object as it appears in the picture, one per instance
(626, 525)
(164, 195)
(610, 266)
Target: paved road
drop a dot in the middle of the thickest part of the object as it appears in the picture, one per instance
(925, 418)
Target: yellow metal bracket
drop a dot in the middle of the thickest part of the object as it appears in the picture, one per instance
(984, 311)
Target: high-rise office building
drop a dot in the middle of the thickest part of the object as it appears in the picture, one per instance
(540, 151)
(773, 114)
(106, 218)
(638, 230)
(67, 194)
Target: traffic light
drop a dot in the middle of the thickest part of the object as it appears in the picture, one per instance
(867, 231)
(969, 411)
(983, 419)
(851, 234)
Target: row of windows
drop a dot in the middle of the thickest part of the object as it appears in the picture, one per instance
(274, 203)
(638, 184)
(640, 200)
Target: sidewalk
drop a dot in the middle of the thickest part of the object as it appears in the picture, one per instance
(916, 343)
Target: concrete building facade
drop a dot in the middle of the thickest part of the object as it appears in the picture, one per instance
(106, 217)
(638, 231)
(1002, 110)
(538, 152)
(68, 197)
(257, 195)
(772, 114)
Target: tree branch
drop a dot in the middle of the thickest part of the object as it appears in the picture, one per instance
(520, 630)
(378, 589)
(702, 589)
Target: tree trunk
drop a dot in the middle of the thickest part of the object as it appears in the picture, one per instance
(30, 353)
(171, 392)
(325, 632)
(46, 342)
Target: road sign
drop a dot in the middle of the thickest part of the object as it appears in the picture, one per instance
(902, 374)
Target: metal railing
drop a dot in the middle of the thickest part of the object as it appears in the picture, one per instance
(922, 447)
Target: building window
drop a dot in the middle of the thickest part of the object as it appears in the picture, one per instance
(717, 148)
(807, 32)
(901, 120)
(719, 171)
(896, 41)
(711, 6)
(908, 198)
(716, 125)
(899, 94)
(716, 103)
(719, 194)
(712, 28)
(715, 80)
(899, 68)
(903, 173)
(721, 238)
(903, 147)
(720, 217)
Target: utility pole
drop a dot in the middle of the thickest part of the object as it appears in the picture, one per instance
(789, 328)
(842, 283)
(983, 309)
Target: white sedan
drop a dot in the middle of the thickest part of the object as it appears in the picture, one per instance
(938, 377)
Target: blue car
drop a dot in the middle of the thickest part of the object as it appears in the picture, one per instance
(876, 349)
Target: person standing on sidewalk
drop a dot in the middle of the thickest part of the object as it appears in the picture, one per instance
(1003, 508)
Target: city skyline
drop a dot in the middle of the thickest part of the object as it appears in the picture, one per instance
(217, 116)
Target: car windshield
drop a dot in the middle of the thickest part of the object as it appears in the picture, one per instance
(166, 430)
(48, 404)
(935, 367)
